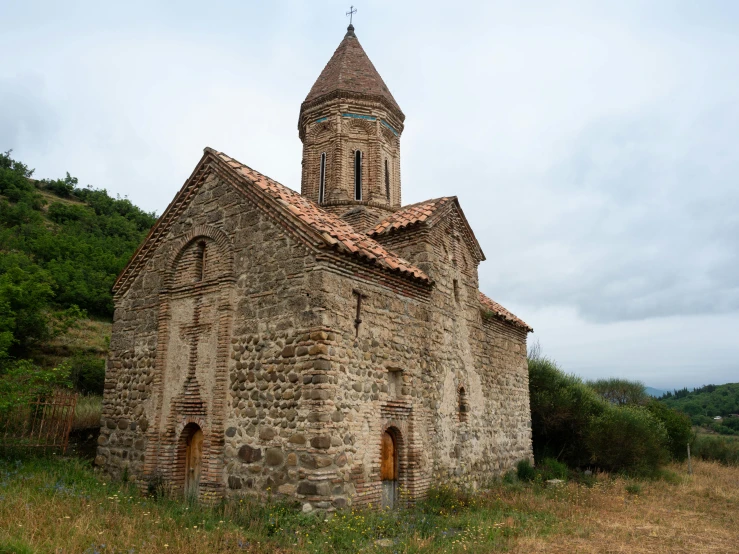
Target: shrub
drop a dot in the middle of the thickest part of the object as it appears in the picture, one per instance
(87, 373)
(552, 469)
(510, 477)
(525, 471)
(628, 439)
(720, 449)
(562, 407)
(678, 427)
(633, 488)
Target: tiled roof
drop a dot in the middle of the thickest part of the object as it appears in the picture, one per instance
(501, 312)
(350, 70)
(334, 231)
(409, 215)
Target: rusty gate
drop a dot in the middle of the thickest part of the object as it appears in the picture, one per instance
(42, 424)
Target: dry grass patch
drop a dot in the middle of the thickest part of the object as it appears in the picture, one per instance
(697, 514)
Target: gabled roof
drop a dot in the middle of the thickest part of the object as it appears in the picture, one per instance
(501, 312)
(323, 229)
(428, 212)
(410, 215)
(350, 70)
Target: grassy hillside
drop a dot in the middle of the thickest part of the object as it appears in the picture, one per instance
(706, 403)
(61, 248)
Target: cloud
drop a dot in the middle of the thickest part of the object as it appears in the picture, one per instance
(592, 146)
(26, 117)
(644, 224)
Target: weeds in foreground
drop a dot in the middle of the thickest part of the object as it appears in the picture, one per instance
(48, 504)
(633, 488)
(62, 505)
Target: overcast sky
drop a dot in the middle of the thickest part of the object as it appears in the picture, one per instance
(594, 146)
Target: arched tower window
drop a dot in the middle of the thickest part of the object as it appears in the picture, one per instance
(322, 180)
(358, 175)
(387, 180)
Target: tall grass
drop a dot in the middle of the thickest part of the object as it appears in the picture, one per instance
(88, 411)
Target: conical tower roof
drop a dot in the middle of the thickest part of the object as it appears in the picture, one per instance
(350, 71)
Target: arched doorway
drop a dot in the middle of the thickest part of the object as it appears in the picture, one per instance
(389, 469)
(193, 436)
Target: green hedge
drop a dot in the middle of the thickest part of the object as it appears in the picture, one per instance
(562, 407)
(573, 424)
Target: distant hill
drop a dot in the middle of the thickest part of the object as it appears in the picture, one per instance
(705, 403)
(651, 391)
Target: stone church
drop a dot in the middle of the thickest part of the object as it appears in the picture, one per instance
(332, 346)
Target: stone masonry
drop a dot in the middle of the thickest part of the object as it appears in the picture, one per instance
(294, 330)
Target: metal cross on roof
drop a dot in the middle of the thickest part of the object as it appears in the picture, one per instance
(350, 13)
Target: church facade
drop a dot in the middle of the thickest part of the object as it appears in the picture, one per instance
(330, 346)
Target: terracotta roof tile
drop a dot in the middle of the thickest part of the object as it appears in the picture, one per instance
(500, 311)
(408, 215)
(333, 230)
(350, 70)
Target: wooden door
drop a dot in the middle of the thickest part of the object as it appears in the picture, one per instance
(193, 463)
(389, 470)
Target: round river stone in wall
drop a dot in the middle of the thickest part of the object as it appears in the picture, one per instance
(274, 456)
(267, 433)
(249, 454)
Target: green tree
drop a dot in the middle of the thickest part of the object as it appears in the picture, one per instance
(628, 438)
(23, 381)
(677, 425)
(621, 392)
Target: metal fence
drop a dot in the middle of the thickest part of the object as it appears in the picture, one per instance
(42, 424)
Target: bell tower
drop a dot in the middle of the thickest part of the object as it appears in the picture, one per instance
(350, 126)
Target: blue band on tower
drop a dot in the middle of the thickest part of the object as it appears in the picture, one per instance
(386, 124)
(359, 116)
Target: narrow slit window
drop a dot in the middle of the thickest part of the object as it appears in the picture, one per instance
(358, 318)
(358, 175)
(463, 407)
(387, 180)
(322, 180)
(456, 291)
(200, 261)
